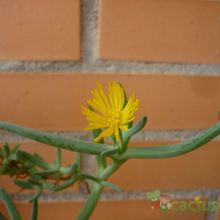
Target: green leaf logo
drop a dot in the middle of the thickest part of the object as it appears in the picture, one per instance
(153, 195)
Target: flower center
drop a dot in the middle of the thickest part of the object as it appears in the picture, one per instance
(113, 120)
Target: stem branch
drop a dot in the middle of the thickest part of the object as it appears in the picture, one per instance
(173, 149)
(95, 194)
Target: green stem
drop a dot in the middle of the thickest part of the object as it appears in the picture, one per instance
(100, 161)
(58, 157)
(135, 152)
(55, 140)
(91, 202)
(173, 149)
(95, 194)
(11, 208)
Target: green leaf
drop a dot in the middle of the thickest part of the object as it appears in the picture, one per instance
(96, 133)
(46, 172)
(130, 124)
(135, 152)
(12, 210)
(108, 152)
(47, 185)
(173, 149)
(71, 169)
(34, 213)
(136, 128)
(66, 184)
(153, 195)
(34, 159)
(100, 181)
(15, 149)
(58, 157)
(55, 140)
(111, 185)
(34, 201)
(6, 151)
(26, 184)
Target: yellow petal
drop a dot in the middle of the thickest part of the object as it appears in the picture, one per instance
(116, 133)
(106, 133)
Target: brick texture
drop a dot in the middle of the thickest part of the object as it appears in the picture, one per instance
(170, 102)
(40, 30)
(157, 30)
(52, 53)
(107, 210)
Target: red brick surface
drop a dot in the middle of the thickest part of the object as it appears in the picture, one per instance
(40, 30)
(52, 101)
(162, 31)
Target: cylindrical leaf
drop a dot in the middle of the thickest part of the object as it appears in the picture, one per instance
(12, 210)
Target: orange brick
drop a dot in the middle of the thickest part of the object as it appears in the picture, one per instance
(52, 101)
(162, 31)
(40, 30)
(117, 210)
(7, 183)
(197, 169)
(45, 151)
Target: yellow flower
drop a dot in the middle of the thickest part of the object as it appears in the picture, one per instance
(109, 112)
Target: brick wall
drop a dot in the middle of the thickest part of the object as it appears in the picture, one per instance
(168, 52)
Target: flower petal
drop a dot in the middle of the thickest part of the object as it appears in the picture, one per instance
(106, 133)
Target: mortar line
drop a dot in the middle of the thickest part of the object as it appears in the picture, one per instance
(89, 32)
(210, 194)
(108, 67)
(89, 27)
(146, 135)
